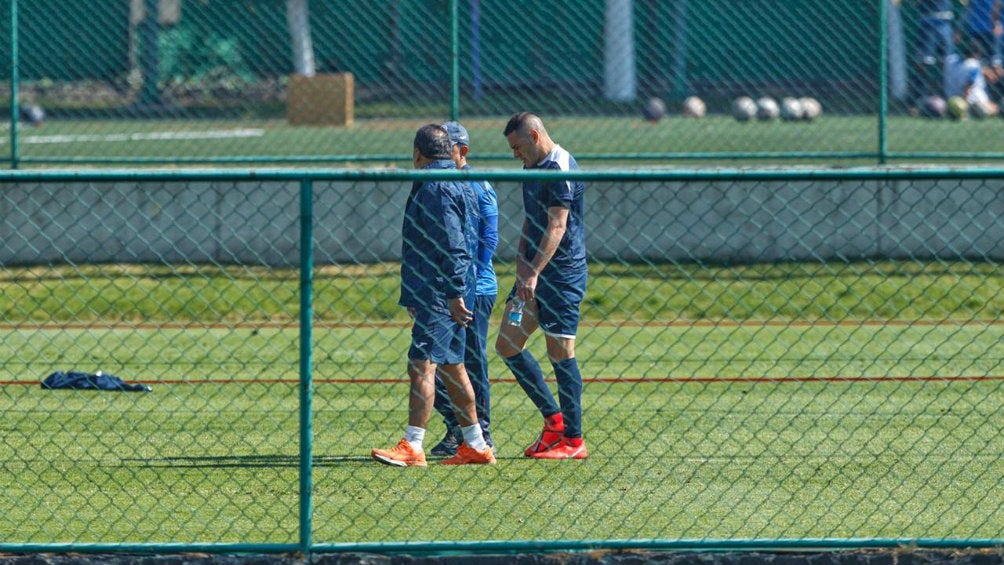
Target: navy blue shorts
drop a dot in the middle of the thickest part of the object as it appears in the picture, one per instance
(559, 296)
(437, 338)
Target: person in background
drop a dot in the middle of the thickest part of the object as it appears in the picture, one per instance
(984, 28)
(935, 42)
(966, 78)
(983, 25)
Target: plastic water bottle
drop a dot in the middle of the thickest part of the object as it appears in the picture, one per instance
(516, 312)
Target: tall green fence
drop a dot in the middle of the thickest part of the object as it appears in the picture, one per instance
(189, 81)
(773, 359)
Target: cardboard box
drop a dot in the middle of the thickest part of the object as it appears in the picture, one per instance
(321, 100)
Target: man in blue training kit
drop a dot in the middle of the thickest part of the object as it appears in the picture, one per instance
(935, 42)
(550, 284)
(437, 276)
(486, 291)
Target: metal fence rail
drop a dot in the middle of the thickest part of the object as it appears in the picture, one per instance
(824, 392)
(256, 81)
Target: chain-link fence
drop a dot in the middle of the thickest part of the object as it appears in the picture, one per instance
(239, 81)
(770, 357)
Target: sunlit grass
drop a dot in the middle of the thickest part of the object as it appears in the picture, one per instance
(773, 401)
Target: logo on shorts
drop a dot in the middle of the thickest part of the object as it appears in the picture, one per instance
(549, 325)
(421, 344)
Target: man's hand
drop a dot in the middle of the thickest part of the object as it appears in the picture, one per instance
(526, 280)
(526, 290)
(459, 311)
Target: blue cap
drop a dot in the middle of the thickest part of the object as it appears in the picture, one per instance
(458, 133)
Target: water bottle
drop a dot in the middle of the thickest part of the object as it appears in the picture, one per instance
(516, 312)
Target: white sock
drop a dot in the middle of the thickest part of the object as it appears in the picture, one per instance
(473, 437)
(414, 436)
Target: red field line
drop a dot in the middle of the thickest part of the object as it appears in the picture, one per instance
(678, 380)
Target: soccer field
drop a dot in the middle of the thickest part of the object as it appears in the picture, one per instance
(600, 141)
(742, 424)
(791, 343)
(759, 452)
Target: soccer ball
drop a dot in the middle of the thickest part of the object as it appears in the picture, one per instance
(932, 106)
(654, 109)
(811, 108)
(694, 107)
(743, 108)
(766, 108)
(958, 108)
(791, 109)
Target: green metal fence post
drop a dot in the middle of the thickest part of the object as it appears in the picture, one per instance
(454, 60)
(306, 380)
(680, 32)
(883, 81)
(14, 86)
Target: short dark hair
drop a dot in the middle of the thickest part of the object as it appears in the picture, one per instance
(523, 122)
(433, 142)
(514, 123)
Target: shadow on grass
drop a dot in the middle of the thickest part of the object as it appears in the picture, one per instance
(243, 461)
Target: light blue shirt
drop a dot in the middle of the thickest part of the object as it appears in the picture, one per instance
(488, 237)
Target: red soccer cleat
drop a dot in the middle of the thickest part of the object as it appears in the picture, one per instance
(554, 431)
(564, 450)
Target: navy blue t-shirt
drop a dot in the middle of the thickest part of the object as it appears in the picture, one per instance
(539, 195)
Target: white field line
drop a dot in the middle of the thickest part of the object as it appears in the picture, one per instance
(150, 136)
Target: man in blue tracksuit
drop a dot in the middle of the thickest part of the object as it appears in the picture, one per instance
(438, 239)
(935, 42)
(486, 291)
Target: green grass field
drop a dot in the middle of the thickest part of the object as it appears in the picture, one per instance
(793, 401)
(599, 141)
(782, 401)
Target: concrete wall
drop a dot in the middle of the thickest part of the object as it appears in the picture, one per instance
(904, 555)
(721, 221)
(779, 221)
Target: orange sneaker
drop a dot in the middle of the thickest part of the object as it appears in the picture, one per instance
(467, 455)
(401, 455)
(554, 431)
(564, 450)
